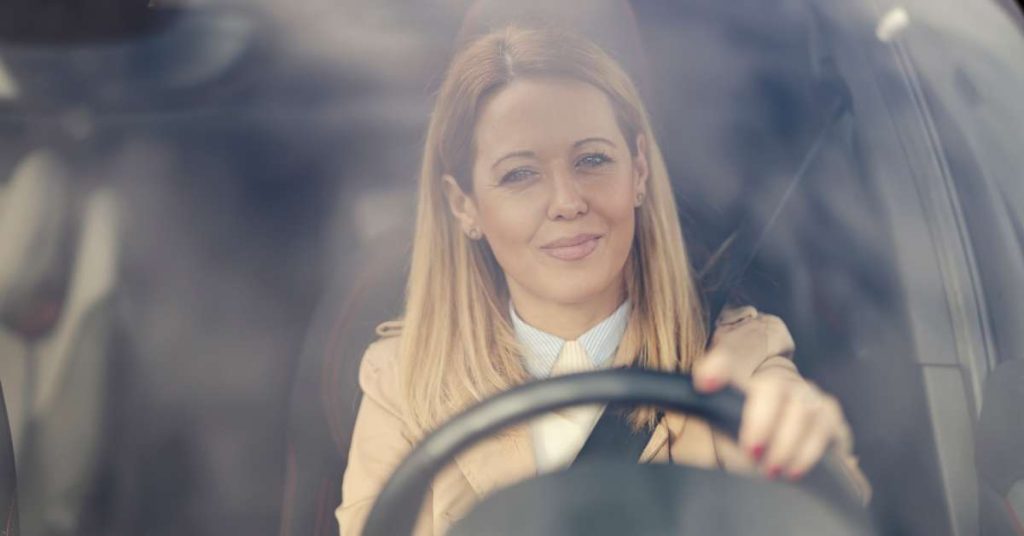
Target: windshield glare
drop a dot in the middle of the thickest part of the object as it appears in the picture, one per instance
(209, 210)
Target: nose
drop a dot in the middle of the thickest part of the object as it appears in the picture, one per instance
(566, 201)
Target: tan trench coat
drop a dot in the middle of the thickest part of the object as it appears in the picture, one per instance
(381, 440)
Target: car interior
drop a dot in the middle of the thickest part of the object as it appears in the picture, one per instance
(834, 165)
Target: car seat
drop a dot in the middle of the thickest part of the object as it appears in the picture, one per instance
(58, 245)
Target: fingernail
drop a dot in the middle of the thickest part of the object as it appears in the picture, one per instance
(711, 384)
(757, 452)
(773, 472)
(793, 476)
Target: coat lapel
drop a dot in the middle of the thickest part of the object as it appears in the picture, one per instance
(499, 461)
(671, 422)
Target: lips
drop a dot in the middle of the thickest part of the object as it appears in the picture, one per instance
(572, 248)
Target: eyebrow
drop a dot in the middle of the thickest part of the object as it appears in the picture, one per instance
(576, 145)
(588, 140)
(512, 155)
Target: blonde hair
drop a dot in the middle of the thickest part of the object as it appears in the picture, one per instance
(457, 344)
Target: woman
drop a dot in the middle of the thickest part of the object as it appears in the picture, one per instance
(547, 241)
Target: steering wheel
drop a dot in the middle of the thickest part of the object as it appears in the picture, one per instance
(605, 498)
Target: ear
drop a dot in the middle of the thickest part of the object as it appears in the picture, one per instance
(461, 204)
(641, 169)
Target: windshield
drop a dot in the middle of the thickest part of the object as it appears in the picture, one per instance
(208, 207)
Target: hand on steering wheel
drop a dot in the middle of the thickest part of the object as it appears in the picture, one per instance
(788, 424)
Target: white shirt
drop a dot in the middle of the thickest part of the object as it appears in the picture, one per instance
(558, 437)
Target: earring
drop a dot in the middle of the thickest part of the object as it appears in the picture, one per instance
(639, 199)
(474, 233)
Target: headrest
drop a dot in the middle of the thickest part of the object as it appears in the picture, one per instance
(36, 237)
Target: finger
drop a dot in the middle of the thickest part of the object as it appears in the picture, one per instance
(828, 429)
(712, 372)
(795, 422)
(811, 449)
(761, 411)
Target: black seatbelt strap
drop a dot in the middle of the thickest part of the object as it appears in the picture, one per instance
(615, 439)
(742, 246)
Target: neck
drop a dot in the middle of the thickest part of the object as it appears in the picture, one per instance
(566, 320)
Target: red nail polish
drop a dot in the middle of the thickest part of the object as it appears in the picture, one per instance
(773, 472)
(711, 384)
(793, 476)
(757, 452)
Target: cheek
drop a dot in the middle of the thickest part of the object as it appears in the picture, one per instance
(623, 225)
(616, 206)
(509, 224)
(618, 213)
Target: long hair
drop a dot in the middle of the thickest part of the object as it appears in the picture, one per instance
(457, 344)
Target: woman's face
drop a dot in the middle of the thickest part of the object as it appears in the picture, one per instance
(555, 187)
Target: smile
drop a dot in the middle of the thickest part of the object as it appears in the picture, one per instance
(572, 249)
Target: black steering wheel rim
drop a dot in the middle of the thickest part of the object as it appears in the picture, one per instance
(397, 505)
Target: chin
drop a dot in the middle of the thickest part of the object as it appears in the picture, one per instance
(573, 292)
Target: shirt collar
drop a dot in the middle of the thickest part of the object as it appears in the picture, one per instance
(541, 349)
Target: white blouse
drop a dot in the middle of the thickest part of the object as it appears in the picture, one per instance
(558, 437)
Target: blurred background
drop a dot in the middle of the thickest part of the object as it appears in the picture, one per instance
(205, 208)
(179, 191)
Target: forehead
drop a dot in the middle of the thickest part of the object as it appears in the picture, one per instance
(543, 114)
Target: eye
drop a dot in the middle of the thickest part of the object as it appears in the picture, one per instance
(593, 160)
(516, 175)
